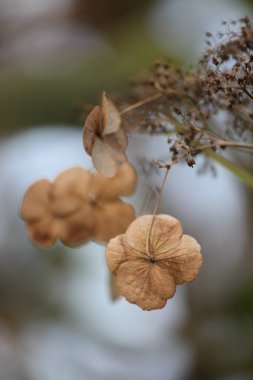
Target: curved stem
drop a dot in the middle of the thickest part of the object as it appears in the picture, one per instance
(150, 252)
(235, 144)
(141, 103)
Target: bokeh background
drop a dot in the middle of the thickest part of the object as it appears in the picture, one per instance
(57, 320)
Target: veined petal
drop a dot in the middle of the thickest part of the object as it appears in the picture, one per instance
(112, 219)
(91, 129)
(115, 253)
(155, 235)
(110, 118)
(117, 141)
(103, 159)
(145, 284)
(165, 234)
(185, 260)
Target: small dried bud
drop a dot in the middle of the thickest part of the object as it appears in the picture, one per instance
(177, 111)
(190, 162)
(215, 61)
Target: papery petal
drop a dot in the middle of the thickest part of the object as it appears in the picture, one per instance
(91, 129)
(108, 188)
(117, 141)
(115, 253)
(164, 236)
(73, 181)
(36, 201)
(63, 207)
(184, 262)
(111, 118)
(43, 233)
(112, 219)
(76, 229)
(104, 159)
(145, 284)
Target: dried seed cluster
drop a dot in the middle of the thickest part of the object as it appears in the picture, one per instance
(227, 73)
(185, 104)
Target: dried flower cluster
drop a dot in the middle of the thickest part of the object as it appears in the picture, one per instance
(186, 105)
(78, 206)
(151, 258)
(228, 79)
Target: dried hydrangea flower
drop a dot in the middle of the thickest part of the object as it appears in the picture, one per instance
(78, 206)
(104, 139)
(150, 262)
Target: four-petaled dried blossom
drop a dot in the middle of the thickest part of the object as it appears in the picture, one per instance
(78, 206)
(104, 139)
(151, 258)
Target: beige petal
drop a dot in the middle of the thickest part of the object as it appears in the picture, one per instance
(78, 228)
(165, 234)
(73, 181)
(103, 158)
(36, 201)
(63, 207)
(112, 219)
(118, 156)
(115, 253)
(125, 179)
(184, 262)
(108, 188)
(111, 119)
(91, 129)
(145, 284)
(117, 141)
(43, 233)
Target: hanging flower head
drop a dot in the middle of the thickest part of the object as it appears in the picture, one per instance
(78, 206)
(151, 258)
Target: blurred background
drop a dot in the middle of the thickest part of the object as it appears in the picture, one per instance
(57, 320)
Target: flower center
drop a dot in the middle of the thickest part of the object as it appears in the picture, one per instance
(93, 199)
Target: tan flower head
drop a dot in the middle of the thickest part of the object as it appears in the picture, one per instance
(78, 206)
(104, 139)
(148, 266)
